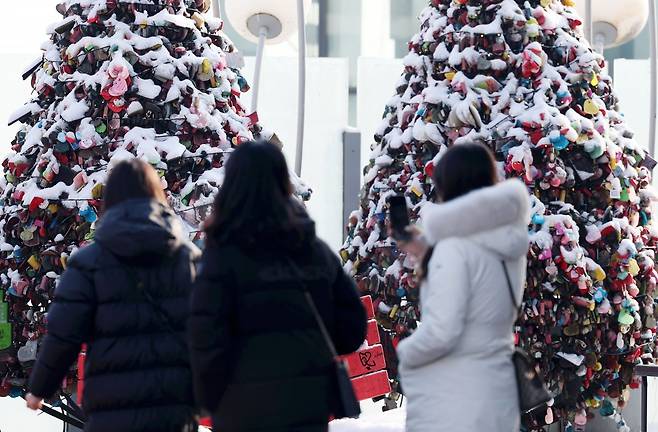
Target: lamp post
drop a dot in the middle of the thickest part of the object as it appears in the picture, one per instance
(589, 21)
(215, 9)
(654, 78)
(271, 22)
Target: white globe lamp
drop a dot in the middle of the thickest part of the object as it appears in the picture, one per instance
(613, 22)
(272, 22)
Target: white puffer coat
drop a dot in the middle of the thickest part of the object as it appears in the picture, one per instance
(456, 369)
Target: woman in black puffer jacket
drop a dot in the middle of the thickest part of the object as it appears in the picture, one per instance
(126, 296)
(259, 360)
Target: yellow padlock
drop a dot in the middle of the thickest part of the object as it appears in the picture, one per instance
(613, 163)
(599, 274)
(206, 66)
(394, 311)
(33, 261)
(633, 267)
(344, 255)
(97, 191)
(417, 191)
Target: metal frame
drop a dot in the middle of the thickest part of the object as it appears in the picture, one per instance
(589, 22)
(645, 371)
(323, 28)
(216, 9)
(654, 78)
(301, 90)
(351, 172)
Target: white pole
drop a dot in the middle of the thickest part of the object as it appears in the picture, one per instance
(262, 35)
(215, 9)
(599, 44)
(654, 78)
(589, 22)
(301, 90)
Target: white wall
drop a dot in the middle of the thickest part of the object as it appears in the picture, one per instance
(376, 79)
(326, 118)
(632, 83)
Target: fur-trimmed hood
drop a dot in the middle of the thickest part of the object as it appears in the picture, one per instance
(496, 217)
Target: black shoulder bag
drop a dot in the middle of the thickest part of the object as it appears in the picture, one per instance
(346, 405)
(533, 393)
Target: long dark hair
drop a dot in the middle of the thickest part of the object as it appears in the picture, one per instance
(255, 198)
(462, 169)
(132, 179)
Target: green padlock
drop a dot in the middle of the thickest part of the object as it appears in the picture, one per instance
(5, 326)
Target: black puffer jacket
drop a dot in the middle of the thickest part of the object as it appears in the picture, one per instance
(137, 373)
(259, 360)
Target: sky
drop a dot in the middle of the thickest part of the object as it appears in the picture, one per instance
(22, 31)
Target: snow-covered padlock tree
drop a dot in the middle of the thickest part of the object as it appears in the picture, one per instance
(154, 79)
(519, 77)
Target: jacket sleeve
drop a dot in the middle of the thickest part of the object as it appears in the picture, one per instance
(350, 321)
(208, 331)
(70, 320)
(444, 308)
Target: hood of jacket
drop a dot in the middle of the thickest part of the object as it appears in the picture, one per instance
(138, 228)
(495, 217)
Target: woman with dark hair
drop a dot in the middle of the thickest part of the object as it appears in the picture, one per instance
(456, 368)
(259, 360)
(126, 297)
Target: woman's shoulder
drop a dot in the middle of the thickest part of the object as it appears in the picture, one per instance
(88, 257)
(454, 250)
(453, 245)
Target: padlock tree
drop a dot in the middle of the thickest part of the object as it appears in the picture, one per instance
(519, 77)
(154, 79)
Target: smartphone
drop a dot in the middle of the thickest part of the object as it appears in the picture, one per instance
(399, 217)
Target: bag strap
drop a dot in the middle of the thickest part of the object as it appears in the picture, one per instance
(519, 308)
(73, 421)
(321, 325)
(161, 313)
(165, 320)
(316, 314)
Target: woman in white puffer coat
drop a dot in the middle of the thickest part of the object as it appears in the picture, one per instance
(456, 368)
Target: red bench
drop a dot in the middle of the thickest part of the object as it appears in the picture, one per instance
(367, 366)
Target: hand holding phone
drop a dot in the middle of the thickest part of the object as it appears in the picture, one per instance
(399, 217)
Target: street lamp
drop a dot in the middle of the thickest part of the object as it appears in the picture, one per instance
(272, 22)
(610, 23)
